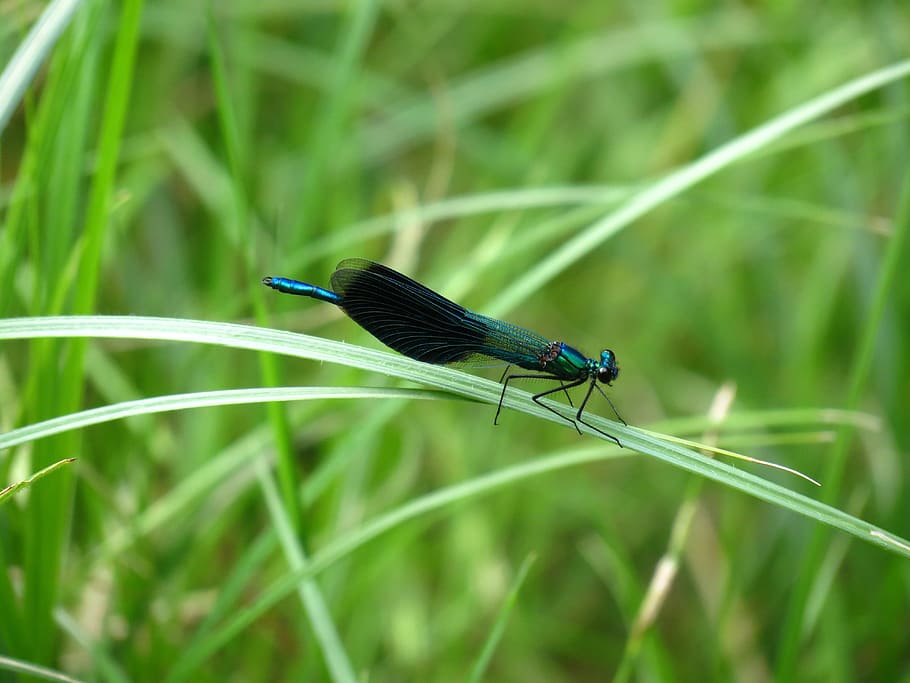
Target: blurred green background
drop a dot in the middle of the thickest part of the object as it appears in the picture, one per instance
(171, 153)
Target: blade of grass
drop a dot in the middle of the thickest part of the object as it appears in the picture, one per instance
(103, 658)
(447, 379)
(346, 544)
(202, 399)
(18, 486)
(335, 108)
(683, 179)
(330, 643)
(731, 454)
(489, 647)
(794, 631)
(47, 521)
(34, 671)
(31, 54)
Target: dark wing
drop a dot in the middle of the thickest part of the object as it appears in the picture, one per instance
(405, 315)
(421, 324)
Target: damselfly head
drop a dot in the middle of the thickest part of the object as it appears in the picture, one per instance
(607, 370)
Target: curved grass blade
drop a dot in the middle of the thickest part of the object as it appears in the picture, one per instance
(446, 379)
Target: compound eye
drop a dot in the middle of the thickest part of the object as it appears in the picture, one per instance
(608, 370)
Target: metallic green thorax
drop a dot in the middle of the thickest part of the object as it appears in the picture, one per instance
(565, 362)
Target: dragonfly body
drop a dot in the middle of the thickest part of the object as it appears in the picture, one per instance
(422, 324)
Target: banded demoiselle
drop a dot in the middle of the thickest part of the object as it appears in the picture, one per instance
(423, 325)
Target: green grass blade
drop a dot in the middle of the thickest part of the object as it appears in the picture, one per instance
(447, 379)
(12, 489)
(31, 55)
(34, 671)
(201, 399)
(860, 368)
(489, 647)
(687, 177)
